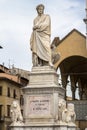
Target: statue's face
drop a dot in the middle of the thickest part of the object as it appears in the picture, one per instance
(40, 10)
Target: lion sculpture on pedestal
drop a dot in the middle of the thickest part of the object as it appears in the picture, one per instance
(16, 116)
(66, 114)
(70, 115)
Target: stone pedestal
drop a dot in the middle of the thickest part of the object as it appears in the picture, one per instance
(43, 127)
(41, 96)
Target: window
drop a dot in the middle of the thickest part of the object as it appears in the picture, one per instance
(0, 90)
(21, 100)
(8, 110)
(14, 94)
(8, 92)
(0, 111)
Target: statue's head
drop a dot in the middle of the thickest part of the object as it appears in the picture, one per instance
(62, 103)
(40, 8)
(15, 104)
(70, 106)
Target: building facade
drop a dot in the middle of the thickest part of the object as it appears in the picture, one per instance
(10, 89)
(73, 70)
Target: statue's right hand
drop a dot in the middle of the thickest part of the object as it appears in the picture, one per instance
(35, 27)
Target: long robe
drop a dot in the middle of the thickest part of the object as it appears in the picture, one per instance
(40, 38)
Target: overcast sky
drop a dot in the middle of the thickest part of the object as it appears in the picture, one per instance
(16, 21)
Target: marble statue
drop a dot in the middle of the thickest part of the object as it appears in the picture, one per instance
(66, 114)
(61, 110)
(16, 116)
(40, 38)
(70, 115)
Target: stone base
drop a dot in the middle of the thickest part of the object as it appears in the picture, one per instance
(41, 127)
(41, 96)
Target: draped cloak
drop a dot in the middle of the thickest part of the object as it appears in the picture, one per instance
(40, 38)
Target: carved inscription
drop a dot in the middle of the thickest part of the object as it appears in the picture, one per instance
(39, 105)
